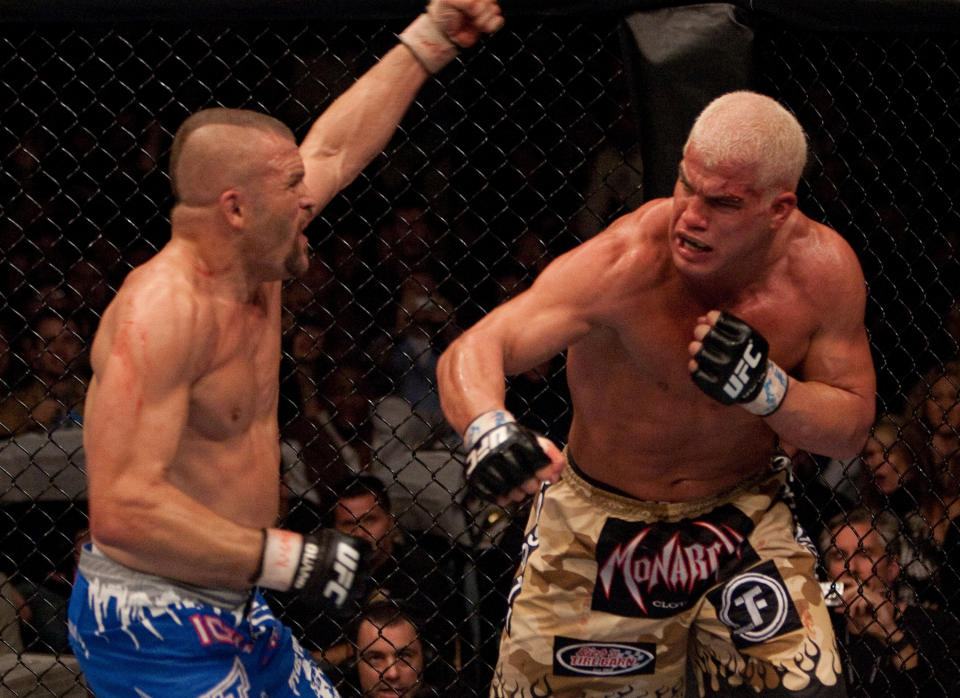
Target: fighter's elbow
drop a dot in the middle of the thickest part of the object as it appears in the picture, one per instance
(855, 438)
(117, 523)
(445, 371)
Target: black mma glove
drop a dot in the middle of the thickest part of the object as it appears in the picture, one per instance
(328, 569)
(501, 454)
(732, 367)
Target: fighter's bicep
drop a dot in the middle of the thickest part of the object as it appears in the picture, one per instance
(843, 361)
(139, 399)
(839, 353)
(543, 335)
(533, 328)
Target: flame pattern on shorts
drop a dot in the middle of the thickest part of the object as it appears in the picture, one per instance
(768, 577)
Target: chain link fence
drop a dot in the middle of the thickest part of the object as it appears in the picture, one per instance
(514, 154)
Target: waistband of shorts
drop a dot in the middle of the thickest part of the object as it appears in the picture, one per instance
(153, 589)
(768, 481)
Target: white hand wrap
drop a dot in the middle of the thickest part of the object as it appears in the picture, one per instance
(429, 44)
(484, 423)
(772, 394)
(281, 559)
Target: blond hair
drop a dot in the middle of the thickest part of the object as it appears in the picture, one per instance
(747, 129)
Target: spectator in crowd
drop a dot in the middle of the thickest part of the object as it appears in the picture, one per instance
(362, 296)
(401, 570)
(423, 326)
(327, 425)
(896, 477)
(391, 655)
(407, 239)
(52, 393)
(14, 612)
(889, 648)
(47, 630)
(324, 414)
(411, 438)
(405, 242)
(935, 404)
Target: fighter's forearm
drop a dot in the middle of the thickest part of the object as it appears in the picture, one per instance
(823, 419)
(360, 122)
(160, 530)
(471, 381)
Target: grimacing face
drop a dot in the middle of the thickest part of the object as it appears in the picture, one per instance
(718, 219)
(389, 660)
(283, 209)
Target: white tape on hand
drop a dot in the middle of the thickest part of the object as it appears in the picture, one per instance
(428, 44)
(281, 558)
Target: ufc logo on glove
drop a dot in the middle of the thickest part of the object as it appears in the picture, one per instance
(741, 374)
(345, 568)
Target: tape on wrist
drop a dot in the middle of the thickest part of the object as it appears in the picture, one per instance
(484, 423)
(281, 558)
(772, 394)
(428, 44)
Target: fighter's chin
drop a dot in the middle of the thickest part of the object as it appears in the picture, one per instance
(389, 692)
(693, 266)
(297, 265)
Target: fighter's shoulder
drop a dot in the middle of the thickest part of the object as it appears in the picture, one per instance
(827, 256)
(653, 215)
(633, 246)
(637, 231)
(160, 298)
(166, 284)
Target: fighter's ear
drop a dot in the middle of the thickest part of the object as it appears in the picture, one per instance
(781, 207)
(231, 207)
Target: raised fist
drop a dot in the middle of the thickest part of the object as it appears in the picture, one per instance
(436, 36)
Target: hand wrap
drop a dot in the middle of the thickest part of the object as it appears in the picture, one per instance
(732, 367)
(502, 454)
(328, 568)
(428, 40)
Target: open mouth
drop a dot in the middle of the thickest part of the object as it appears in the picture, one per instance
(691, 244)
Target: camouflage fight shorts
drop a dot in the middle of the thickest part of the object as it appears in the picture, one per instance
(621, 597)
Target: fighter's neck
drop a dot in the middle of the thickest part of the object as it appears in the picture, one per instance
(216, 267)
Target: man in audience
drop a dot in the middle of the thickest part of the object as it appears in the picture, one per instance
(401, 570)
(391, 653)
(888, 648)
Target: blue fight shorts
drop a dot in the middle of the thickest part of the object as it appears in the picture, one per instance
(144, 636)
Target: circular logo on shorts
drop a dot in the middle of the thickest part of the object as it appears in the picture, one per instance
(603, 659)
(754, 606)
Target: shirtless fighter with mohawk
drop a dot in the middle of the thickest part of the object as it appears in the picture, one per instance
(181, 434)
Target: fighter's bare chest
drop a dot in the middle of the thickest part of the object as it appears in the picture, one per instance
(655, 335)
(240, 383)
